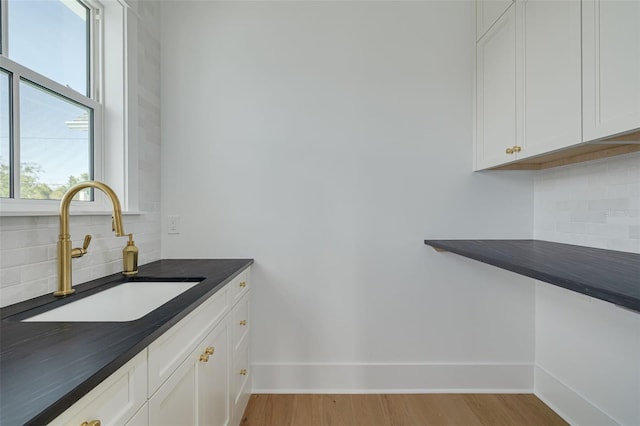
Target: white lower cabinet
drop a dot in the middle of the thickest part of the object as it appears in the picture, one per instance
(198, 372)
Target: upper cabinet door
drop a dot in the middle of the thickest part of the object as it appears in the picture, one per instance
(496, 92)
(548, 76)
(488, 12)
(611, 67)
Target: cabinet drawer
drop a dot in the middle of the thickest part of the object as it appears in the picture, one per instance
(114, 401)
(170, 349)
(240, 382)
(240, 285)
(240, 322)
(240, 373)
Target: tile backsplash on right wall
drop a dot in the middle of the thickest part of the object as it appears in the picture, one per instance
(594, 204)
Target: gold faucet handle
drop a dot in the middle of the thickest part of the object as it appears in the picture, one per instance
(79, 252)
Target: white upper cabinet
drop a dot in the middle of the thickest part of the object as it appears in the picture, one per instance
(611, 67)
(496, 91)
(488, 12)
(548, 76)
(553, 75)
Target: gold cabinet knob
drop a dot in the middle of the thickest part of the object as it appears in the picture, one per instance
(91, 423)
(209, 350)
(517, 148)
(204, 358)
(243, 284)
(243, 322)
(243, 372)
(509, 150)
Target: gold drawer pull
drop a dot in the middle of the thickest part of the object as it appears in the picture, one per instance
(243, 284)
(91, 423)
(243, 322)
(208, 351)
(243, 372)
(514, 149)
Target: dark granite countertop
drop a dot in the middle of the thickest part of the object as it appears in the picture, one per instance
(608, 275)
(46, 367)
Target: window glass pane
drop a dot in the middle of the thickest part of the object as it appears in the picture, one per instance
(55, 144)
(42, 32)
(5, 126)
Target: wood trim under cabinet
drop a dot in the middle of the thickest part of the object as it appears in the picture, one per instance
(578, 154)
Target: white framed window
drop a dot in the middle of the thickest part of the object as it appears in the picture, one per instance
(63, 102)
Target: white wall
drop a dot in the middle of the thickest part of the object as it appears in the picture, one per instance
(326, 140)
(28, 244)
(588, 350)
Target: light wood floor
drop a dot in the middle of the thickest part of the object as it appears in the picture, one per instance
(398, 410)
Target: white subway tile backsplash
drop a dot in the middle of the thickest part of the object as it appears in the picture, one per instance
(23, 256)
(571, 227)
(588, 216)
(9, 276)
(595, 204)
(25, 290)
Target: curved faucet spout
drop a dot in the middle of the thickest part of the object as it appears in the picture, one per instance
(65, 252)
(65, 203)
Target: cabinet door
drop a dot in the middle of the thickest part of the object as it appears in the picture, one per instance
(197, 393)
(611, 67)
(175, 402)
(213, 378)
(488, 12)
(496, 93)
(548, 75)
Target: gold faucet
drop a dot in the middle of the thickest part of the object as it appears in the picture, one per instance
(65, 252)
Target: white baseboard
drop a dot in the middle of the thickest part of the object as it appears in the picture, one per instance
(568, 403)
(391, 378)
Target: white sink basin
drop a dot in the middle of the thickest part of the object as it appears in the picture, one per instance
(124, 302)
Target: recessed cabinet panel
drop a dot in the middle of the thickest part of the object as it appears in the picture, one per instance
(240, 327)
(175, 403)
(496, 92)
(611, 67)
(488, 12)
(240, 374)
(213, 380)
(240, 382)
(549, 63)
(240, 285)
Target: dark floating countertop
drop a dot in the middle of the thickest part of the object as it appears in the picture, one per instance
(613, 276)
(47, 366)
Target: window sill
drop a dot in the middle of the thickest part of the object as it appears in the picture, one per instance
(73, 213)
